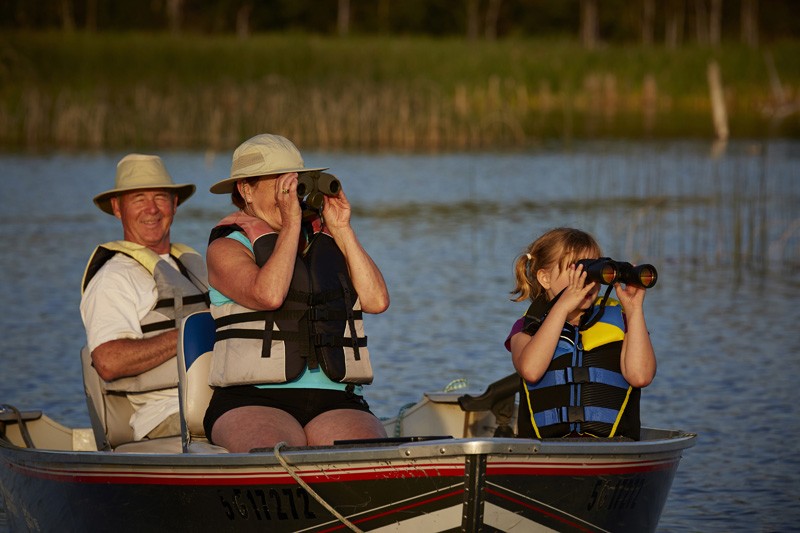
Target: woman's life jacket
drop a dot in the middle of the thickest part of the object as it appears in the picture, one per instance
(583, 391)
(318, 325)
(180, 293)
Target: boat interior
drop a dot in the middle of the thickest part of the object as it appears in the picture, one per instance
(451, 413)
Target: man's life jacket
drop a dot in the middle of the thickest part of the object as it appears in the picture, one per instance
(180, 293)
(583, 391)
(319, 323)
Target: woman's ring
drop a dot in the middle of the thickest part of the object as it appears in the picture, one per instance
(285, 191)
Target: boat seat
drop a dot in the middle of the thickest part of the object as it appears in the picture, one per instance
(499, 398)
(110, 413)
(195, 344)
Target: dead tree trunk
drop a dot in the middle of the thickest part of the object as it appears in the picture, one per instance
(648, 21)
(343, 20)
(492, 15)
(243, 20)
(384, 10)
(675, 19)
(473, 18)
(589, 24)
(750, 23)
(715, 23)
(91, 16)
(67, 16)
(174, 15)
(701, 21)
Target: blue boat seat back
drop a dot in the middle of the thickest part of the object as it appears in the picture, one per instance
(195, 344)
(197, 336)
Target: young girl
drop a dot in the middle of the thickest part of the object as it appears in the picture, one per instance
(583, 359)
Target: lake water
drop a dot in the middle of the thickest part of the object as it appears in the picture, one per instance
(722, 228)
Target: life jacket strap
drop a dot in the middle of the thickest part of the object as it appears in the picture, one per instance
(257, 334)
(187, 300)
(322, 339)
(255, 316)
(575, 414)
(580, 374)
(313, 298)
(158, 326)
(324, 313)
(348, 306)
(590, 319)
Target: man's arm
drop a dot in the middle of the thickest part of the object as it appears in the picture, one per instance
(112, 306)
(130, 357)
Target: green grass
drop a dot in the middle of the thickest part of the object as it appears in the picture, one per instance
(130, 89)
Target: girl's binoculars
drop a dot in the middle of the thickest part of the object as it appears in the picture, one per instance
(606, 271)
(314, 186)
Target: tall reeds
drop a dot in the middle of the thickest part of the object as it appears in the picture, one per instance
(371, 95)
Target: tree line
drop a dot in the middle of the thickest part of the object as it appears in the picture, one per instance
(649, 22)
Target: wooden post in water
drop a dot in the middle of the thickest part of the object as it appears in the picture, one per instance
(718, 111)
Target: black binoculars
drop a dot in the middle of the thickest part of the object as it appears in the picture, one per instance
(314, 186)
(606, 271)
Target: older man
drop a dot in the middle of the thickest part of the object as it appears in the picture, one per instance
(136, 291)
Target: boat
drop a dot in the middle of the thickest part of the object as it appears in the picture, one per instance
(451, 463)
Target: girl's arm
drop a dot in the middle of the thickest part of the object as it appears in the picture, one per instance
(638, 359)
(531, 355)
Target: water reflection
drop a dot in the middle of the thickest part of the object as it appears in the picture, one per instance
(724, 234)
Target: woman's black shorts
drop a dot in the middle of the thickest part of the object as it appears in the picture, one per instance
(303, 404)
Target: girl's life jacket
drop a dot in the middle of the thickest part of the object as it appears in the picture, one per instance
(583, 391)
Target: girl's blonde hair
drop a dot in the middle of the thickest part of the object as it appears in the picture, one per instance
(561, 246)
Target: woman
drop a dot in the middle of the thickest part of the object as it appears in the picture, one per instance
(288, 287)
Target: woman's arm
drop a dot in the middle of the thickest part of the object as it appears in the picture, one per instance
(232, 270)
(367, 278)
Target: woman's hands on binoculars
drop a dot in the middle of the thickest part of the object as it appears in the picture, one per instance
(286, 197)
(337, 211)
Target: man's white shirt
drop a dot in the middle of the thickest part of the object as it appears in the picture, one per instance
(113, 305)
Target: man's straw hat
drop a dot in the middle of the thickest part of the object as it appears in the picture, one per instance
(138, 171)
(262, 155)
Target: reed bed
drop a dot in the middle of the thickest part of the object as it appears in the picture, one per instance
(111, 91)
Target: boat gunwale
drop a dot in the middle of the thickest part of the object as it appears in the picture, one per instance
(669, 443)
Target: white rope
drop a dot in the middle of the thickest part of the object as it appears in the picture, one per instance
(398, 424)
(456, 384)
(311, 491)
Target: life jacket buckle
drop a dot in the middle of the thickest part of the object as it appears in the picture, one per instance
(580, 374)
(575, 414)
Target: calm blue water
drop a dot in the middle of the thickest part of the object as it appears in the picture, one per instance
(724, 233)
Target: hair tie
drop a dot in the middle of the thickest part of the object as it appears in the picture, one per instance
(528, 255)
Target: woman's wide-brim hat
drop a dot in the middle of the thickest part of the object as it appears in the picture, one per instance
(262, 155)
(139, 171)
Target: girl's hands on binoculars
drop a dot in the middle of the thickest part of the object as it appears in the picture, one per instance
(630, 296)
(577, 290)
